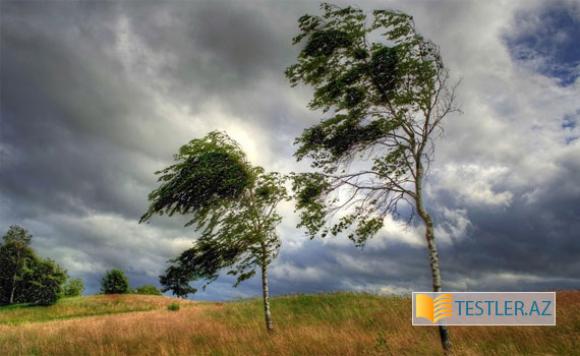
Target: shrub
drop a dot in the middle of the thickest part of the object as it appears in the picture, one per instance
(115, 282)
(173, 307)
(73, 288)
(44, 280)
(147, 289)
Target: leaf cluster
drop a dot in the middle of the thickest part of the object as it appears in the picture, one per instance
(370, 86)
(233, 205)
(73, 288)
(381, 86)
(209, 176)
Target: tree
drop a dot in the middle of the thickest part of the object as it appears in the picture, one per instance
(15, 256)
(25, 277)
(44, 282)
(147, 289)
(233, 205)
(385, 91)
(115, 282)
(176, 279)
(73, 288)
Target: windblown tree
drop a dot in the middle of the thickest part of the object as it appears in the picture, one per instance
(231, 203)
(384, 91)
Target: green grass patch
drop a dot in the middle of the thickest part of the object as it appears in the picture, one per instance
(75, 307)
(329, 309)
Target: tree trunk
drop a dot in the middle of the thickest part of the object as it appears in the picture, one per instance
(266, 292)
(12, 293)
(432, 249)
(16, 268)
(435, 273)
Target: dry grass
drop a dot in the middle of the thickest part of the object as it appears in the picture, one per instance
(335, 324)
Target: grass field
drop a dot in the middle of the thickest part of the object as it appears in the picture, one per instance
(327, 324)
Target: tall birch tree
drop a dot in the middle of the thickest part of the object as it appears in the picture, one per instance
(384, 92)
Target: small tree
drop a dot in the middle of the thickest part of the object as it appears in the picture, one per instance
(115, 282)
(73, 288)
(147, 289)
(44, 282)
(176, 279)
(385, 90)
(233, 205)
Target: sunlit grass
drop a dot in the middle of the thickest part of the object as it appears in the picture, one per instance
(67, 308)
(328, 324)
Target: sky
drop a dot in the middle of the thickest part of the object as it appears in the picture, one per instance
(96, 96)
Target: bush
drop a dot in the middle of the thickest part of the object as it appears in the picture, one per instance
(43, 284)
(115, 282)
(147, 289)
(173, 307)
(74, 288)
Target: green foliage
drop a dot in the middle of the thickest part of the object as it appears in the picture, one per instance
(210, 175)
(173, 307)
(73, 288)
(16, 260)
(176, 279)
(17, 236)
(308, 188)
(147, 289)
(243, 239)
(115, 282)
(232, 204)
(383, 87)
(25, 277)
(43, 283)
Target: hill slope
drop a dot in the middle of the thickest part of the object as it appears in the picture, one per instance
(327, 324)
(68, 308)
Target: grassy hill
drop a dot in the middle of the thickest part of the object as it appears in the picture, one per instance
(326, 324)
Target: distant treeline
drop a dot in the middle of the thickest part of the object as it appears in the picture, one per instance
(26, 278)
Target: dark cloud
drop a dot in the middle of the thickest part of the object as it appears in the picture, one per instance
(96, 96)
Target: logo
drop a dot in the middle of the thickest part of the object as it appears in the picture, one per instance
(434, 309)
(483, 308)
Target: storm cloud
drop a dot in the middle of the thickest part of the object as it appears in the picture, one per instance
(96, 96)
